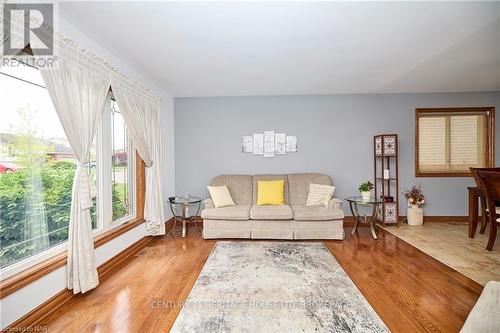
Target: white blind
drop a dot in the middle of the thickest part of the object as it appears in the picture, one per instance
(451, 142)
(464, 141)
(432, 143)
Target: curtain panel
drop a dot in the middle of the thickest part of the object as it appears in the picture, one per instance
(141, 113)
(78, 87)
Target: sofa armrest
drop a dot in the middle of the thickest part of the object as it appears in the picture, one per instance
(207, 204)
(335, 203)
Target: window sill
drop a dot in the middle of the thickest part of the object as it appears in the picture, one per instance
(27, 276)
(444, 174)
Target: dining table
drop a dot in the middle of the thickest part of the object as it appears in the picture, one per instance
(475, 194)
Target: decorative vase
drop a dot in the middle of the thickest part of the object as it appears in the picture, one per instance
(415, 215)
(365, 195)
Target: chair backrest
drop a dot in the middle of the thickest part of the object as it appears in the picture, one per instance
(490, 183)
(473, 171)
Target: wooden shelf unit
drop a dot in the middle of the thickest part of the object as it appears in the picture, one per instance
(385, 152)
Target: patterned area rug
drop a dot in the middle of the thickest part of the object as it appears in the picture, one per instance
(275, 287)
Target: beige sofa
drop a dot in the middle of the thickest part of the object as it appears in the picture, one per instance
(293, 220)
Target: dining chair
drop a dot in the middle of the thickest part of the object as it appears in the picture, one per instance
(484, 207)
(490, 184)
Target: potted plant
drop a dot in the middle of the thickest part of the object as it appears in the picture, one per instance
(365, 188)
(416, 199)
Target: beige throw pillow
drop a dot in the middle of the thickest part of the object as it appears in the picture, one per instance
(319, 195)
(220, 196)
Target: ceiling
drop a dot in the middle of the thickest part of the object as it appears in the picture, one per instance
(300, 48)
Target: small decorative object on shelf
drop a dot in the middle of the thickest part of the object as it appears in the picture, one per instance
(365, 189)
(387, 198)
(385, 148)
(416, 200)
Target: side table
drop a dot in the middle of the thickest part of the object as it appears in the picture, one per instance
(353, 204)
(180, 208)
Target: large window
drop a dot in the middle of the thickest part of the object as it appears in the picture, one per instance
(37, 167)
(450, 141)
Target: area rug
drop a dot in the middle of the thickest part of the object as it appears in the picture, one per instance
(275, 287)
(448, 243)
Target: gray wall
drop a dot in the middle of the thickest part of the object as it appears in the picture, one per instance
(335, 135)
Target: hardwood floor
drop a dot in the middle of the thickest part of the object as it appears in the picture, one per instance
(411, 291)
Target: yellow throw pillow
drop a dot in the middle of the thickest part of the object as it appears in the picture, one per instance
(270, 192)
(220, 196)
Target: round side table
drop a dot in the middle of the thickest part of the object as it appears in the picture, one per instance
(372, 220)
(181, 208)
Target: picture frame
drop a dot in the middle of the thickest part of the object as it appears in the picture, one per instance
(258, 144)
(268, 143)
(291, 144)
(247, 144)
(280, 143)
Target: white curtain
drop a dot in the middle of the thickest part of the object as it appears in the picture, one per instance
(141, 113)
(78, 88)
(36, 228)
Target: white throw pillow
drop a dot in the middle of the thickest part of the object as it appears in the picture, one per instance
(220, 196)
(319, 195)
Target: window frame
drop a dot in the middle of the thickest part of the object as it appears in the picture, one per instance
(57, 259)
(131, 177)
(27, 270)
(105, 221)
(33, 260)
(490, 137)
(104, 184)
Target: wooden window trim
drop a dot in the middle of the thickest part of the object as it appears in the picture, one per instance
(490, 138)
(35, 272)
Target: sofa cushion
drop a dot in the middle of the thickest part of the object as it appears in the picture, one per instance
(270, 192)
(239, 212)
(299, 185)
(256, 178)
(240, 187)
(316, 213)
(220, 196)
(484, 315)
(281, 212)
(319, 195)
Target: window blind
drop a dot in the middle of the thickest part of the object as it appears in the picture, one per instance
(467, 141)
(432, 143)
(451, 143)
